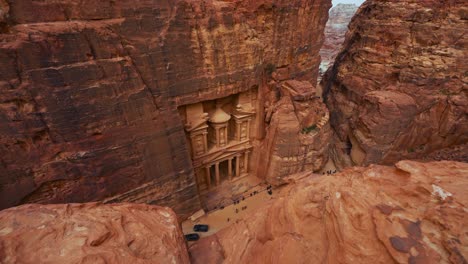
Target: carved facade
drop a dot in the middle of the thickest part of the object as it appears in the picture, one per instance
(219, 132)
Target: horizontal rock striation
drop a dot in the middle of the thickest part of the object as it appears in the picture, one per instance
(398, 88)
(411, 213)
(335, 30)
(91, 233)
(89, 90)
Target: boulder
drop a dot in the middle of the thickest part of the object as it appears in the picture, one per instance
(91, 233)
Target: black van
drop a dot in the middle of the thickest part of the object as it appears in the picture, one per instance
(192, 237)
(200, 228)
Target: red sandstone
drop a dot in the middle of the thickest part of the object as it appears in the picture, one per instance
(398, 89)
(91, 233)
(90, 91)
(411, 213)
(335, 30)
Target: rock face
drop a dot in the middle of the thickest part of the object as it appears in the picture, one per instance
(399, 89)
(298, 132)
(335, 30)
(4, 8)
(411, 213)
(91, 233)
(89, 90)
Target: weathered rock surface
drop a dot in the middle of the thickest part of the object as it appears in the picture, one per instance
(458, 153)
(91, 233)
(89, 90)
(298, 132)
(4, 8)
(335, 30)
(411, 213)
(399, 88)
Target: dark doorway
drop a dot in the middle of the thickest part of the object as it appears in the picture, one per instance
(223, 171)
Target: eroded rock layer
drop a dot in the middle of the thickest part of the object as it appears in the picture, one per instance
(89, 90)
(91, 233)
(399, 88)
(298, 131)
(411, 213)
(335, 30)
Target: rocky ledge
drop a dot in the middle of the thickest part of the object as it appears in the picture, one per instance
(91, 233)
(410, 213)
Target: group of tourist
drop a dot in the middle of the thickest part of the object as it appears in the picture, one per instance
(242, 208)
(269, 190)
(329, 172)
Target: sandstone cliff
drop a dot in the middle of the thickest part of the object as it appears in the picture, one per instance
(89, 90)
(411, 213)
(91, 233)
(398, 90)
(335, 30)
(298, 133)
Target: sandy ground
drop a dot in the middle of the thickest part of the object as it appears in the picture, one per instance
(221, 218)
(218, 220)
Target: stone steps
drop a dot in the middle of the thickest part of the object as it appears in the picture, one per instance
(323, 121)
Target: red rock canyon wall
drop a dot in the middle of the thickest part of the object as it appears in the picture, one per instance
(89, 90)
(398, 89)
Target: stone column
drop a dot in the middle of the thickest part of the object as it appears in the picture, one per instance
(226, 135)
(217, 137)
(217, 173)
(248, 129)
(230, 168)
(222, 137)
(238, 137)
(208, 176)
(237, 165)
(246, 161)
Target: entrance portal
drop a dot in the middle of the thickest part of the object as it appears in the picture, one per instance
(223, 171)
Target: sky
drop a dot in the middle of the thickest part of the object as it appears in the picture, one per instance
(356, 2)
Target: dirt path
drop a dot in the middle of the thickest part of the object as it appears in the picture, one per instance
(221, 218)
